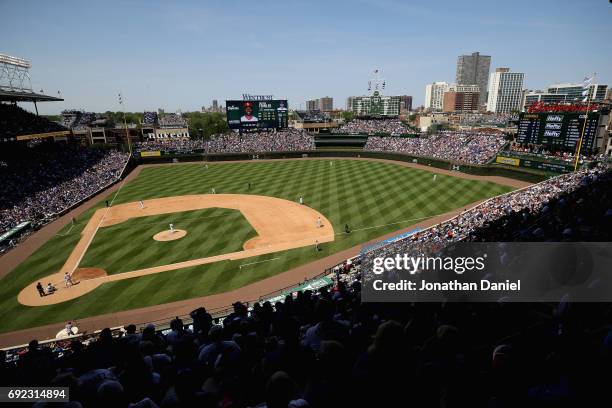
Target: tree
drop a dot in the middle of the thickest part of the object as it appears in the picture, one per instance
(206, 124)
(348, 116)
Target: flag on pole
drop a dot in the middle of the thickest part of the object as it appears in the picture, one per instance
(586, 84)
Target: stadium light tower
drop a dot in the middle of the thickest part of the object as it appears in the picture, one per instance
(15, 74)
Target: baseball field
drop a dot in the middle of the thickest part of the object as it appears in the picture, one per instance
(125, 256)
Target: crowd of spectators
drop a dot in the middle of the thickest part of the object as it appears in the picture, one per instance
(285, 140)
(180, 145)
(393, 127)
(15, 121)
(487, 119)
(463, 147)
(172, 120)
(149, 118)
(550, 154)
(44, 179)
(281, 141)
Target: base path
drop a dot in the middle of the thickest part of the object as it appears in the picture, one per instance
(280, 225)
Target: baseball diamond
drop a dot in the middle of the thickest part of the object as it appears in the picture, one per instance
(262, 198)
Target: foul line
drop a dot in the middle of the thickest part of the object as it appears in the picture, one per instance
(67, 232)
(386, 225)
(97, 227)
(258, 262)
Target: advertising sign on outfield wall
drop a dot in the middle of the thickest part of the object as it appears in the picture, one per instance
(508, 160)
(156, 153)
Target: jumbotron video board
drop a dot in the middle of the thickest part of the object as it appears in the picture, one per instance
(559, 130)
(257, 114)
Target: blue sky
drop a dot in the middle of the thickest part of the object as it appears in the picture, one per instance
(182, 54)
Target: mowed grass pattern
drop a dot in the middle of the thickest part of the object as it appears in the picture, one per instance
(374, 198)
(210, 232)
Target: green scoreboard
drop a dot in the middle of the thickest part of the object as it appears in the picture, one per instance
(257, 114)
(558, 130)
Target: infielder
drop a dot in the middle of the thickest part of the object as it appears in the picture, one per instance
(319, 222)
(141, 205)
(67, 279)
(301, 199)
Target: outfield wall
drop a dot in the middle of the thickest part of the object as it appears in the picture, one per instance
(524, 174)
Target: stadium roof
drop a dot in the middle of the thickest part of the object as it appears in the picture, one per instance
(16, 96)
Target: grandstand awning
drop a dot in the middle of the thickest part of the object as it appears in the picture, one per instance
(15, 96)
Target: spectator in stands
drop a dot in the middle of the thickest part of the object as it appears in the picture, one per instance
(15, 121)
(285, 140)
(392, 127)
(464, 147)
(41, 182)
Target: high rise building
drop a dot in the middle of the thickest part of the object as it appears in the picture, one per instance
(461, 98)
(474, 70)
(326, 104)
(505, 91)
(597, 92)
(434, 95)
(215, 106)
(349, 103)
(312, 104)
(406, 102)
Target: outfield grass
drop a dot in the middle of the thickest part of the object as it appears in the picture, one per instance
(374, 198)
(212, 231)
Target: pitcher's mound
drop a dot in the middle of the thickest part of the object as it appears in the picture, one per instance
(169, 236)
(81, 274)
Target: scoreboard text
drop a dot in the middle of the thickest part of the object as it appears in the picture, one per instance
(558, 130)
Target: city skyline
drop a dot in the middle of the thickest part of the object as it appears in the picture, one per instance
(182, 56)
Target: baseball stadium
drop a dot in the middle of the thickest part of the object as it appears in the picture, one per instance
(225, 257)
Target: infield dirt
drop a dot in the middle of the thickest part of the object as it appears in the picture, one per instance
(280, 225)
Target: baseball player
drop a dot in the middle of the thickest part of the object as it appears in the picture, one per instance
(435, 177)
(141, 205)
(319, 225)
(67, 279)
(317, 248)
(172, 228)
(301, 199)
